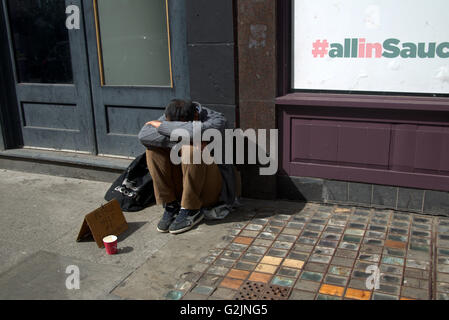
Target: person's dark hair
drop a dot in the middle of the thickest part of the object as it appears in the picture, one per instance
(180, 110)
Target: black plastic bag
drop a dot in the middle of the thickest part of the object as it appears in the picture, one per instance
(134, 188)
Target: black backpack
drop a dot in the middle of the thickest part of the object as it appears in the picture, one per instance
(134, 188)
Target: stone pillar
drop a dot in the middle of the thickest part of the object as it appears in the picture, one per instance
(257, 81)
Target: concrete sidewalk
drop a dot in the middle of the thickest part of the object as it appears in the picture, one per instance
(264, 250)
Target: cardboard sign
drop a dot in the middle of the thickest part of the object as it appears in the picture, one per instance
(104, 221)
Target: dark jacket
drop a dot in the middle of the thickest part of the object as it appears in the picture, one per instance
(149, 136)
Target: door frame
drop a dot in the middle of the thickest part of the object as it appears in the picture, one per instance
(136, 97)
(10, 131)
(77, 93)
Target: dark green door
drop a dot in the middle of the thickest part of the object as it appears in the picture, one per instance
(137, 58)
(91, 89)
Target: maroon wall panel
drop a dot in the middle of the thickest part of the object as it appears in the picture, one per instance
(371, 143)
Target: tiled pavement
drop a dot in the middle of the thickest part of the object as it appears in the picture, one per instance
(323, 252)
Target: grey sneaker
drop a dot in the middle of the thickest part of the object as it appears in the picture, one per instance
(170, 213)
(186, 220)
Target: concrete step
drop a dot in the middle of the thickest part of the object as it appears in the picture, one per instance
(64, 164)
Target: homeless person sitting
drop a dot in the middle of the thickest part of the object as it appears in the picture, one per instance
(186, 190)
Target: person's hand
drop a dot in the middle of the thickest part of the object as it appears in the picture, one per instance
(154, 123)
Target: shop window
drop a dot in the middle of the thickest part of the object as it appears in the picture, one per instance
(40, 41)
(134, 42)
(382, 46)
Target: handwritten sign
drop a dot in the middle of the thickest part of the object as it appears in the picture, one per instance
(104, 221)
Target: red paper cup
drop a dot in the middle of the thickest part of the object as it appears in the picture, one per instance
(110, 243)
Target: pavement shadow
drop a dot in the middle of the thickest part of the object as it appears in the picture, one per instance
(132, 227)
(247, 213)
(125, 250)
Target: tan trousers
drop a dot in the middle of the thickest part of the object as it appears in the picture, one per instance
(196, 186)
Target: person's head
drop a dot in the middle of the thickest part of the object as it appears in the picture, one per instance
(180, 110)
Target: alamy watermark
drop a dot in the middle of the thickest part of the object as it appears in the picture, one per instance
(213, 151)
(72, 282)
(73, 20)
(373, 281)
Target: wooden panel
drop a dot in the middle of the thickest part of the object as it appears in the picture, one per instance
(129, 120)
(364, 143)
(396, 153)
(340, 142)
(51, 116)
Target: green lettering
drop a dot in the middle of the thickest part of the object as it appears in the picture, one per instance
(441, 47)
(422, 50)
(409, 50)
(392, 51)
(336, 51)
(347, 48)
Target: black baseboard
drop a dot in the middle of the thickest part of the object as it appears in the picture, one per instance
(361, 194)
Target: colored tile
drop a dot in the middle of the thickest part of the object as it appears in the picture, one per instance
(203, 290)
(282, 245)
(354, 225)
(395, 237)
(422, 248)
(288, 272)
(320, 258)
(324, 250)
(349, 246)
(286, 238)
(352, 239)
(418, 264)
(254, 227)
(357, 294)
(298, 256)
(381, 296)
(393, 260)
(330, 236)
(251, 257)
(305, 240)
(312, 276)
(332, 290)
(282, 281)
(342, 210)
(394, 252)
(237, 247)
(251, 234)
(257, 250)
(174, 295)
(266, 268)
(237, 274)
(373, 242)
(275, 223)
(395, 244)
(335, 280)
(267, 236)
(260, 221)
(354, 232)
(231, 283)
(274, 230)
(291, 231)
(310, 234)
(327, 243)
(277, 253)
(326, 297)
(224, 262)
(220, 271)
(340, 271)
(245, 266)
(295, 225)
(297, 264)
(263, 242)
(271, 260)
(260, 277)
(233, 255)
